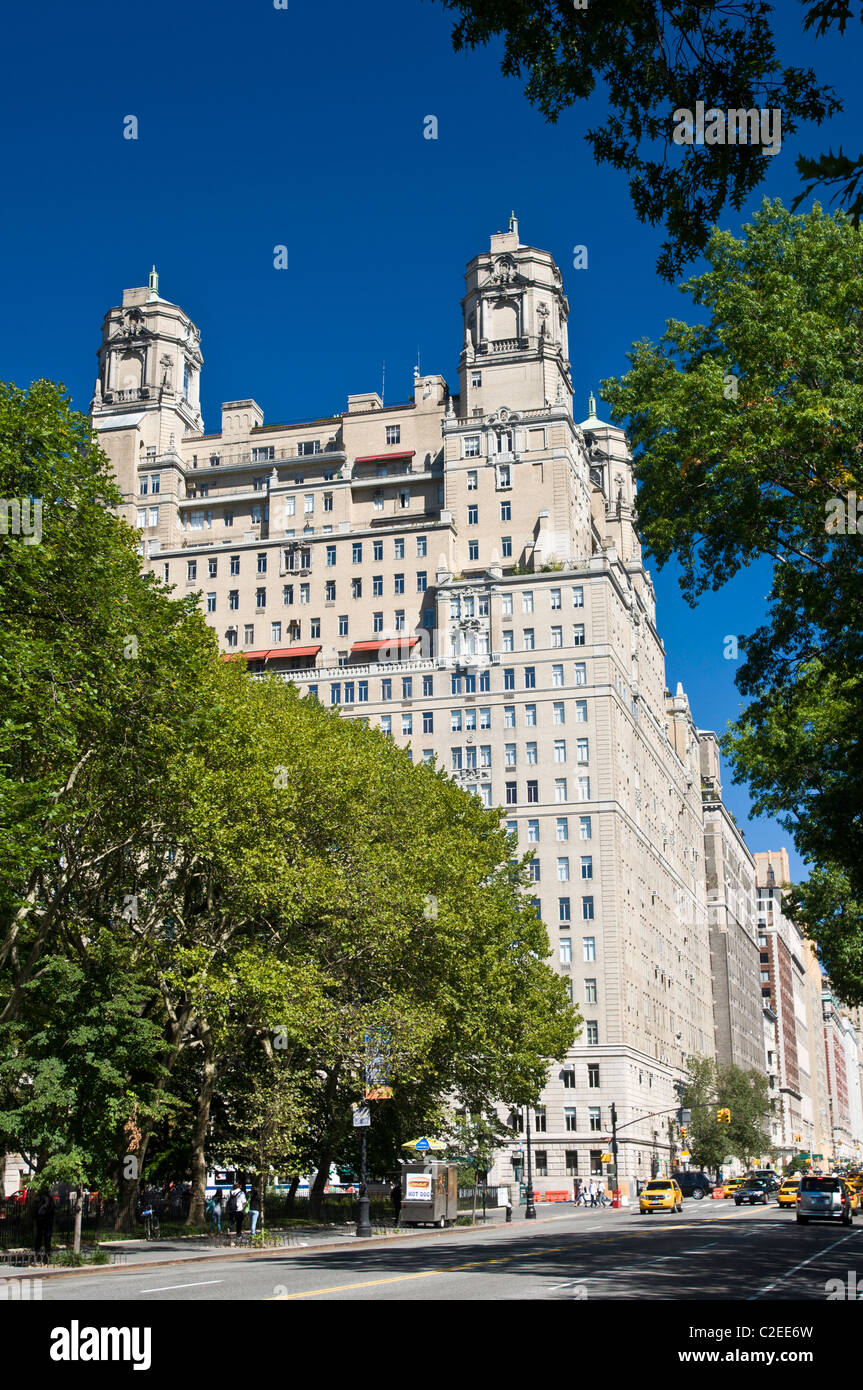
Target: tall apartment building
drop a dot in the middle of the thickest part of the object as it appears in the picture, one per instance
(734, 952)
(463, 571)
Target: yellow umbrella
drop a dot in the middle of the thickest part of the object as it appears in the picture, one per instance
(424, 1145)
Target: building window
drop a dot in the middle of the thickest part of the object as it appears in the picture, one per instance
(581, 711)
(568, 1077)
(305, 591)
(506, 547)
(314, 627)
(504, 475)
(511, 796)
(534, 870)
(584, 788)
(559, 712)
(234, 599)
(578, 634)
(231, 636)
(407, 723)
(343, 624)
(557, 677)
(530, 677)
(572, 1163)
(398, 548)
(531, 754)
(563, 870)
(533, 832)
(594, 1118)
(528, 639)
(476, 379)
(428, 721)
(509, 678)
(330, 591)
(596, 1163)
(191, 570)
(506, 511)
(248, 634)
(473, 516)
(563, 910)
(570, 1123)
(588, 948)
(211, 603)
(592, 1034)
(473, 550)
(560, 750)
(235, 564)
(407, 687)
(356, 588)
(578, 596)
(554, 597)
(331, 555)
(260, 598)
(328, 501)
(590, 998)
(262, 563)
(557, 636)
(560, 789)
(399, 617)
(580, 673)
(386, 689)
(566, 950)
(584, 831)
(422, 581)
(541, 1157)
(508, 640)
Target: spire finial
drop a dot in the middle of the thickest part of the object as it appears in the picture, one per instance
(591, 406)
(154, 284)
(513, 223)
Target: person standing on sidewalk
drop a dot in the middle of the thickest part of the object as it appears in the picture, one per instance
(44, 1222)
(396, 1199)
(236, 1208)
(216, 1211)
(254, 1207)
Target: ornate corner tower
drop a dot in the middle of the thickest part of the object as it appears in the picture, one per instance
(515, 337)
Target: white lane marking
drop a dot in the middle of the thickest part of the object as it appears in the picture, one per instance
(197, 1285)
(787, 1275)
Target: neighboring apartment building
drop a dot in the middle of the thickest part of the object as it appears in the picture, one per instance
(812, 1044)
(463, 571)
(734, 953)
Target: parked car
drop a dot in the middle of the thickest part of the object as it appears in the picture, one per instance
(696, 1185)
(824, 1199)
(753, 1190)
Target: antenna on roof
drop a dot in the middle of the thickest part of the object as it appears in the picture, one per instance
(383, 381)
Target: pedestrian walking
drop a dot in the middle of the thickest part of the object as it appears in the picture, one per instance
(214, 1211)
(254, 1207)
(592, 1191)
(396, 1198)
(44, 1222)
(236, 1207)
(576, 1191)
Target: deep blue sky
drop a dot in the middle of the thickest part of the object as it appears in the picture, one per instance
(259, 127)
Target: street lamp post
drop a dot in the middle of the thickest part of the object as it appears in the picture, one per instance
(529, 1209)
(363, 1225)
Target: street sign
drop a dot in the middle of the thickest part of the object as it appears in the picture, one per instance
(606, 1158)
(362, 1117)
(684, 1153)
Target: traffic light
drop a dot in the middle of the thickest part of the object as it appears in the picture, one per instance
(683, 1131)
(724, 1115)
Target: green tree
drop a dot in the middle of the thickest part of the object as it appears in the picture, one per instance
(651, 58)
(707, 1139)
(746, 1094)
(827, 910)
(747, 431)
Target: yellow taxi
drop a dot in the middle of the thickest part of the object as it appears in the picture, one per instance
(660, 1194)
(730, 1187)
(788, 1189)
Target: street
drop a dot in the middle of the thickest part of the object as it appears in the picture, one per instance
(713, 1251)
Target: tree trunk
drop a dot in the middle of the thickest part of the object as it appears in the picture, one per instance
(79, 1207)
(199, 1129)
(292, 1192)
(322, 1177)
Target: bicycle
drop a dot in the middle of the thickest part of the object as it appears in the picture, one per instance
(151, 1224)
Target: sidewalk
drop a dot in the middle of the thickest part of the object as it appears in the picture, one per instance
(143, 1254)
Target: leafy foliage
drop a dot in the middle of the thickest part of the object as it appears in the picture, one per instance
(651, 58)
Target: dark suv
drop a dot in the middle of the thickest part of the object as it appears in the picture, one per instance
(695, 1185)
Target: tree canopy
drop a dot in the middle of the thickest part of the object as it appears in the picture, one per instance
(652, 58)
(747, 432)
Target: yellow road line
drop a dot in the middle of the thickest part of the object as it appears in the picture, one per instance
(479, 1264)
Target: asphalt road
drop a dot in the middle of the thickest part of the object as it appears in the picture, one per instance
(713, 1251)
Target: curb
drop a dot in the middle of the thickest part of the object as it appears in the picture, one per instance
(275, 1252)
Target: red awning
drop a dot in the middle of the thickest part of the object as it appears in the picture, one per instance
(377, 645)
(292, 651)
(385, 458)
(271, 653)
